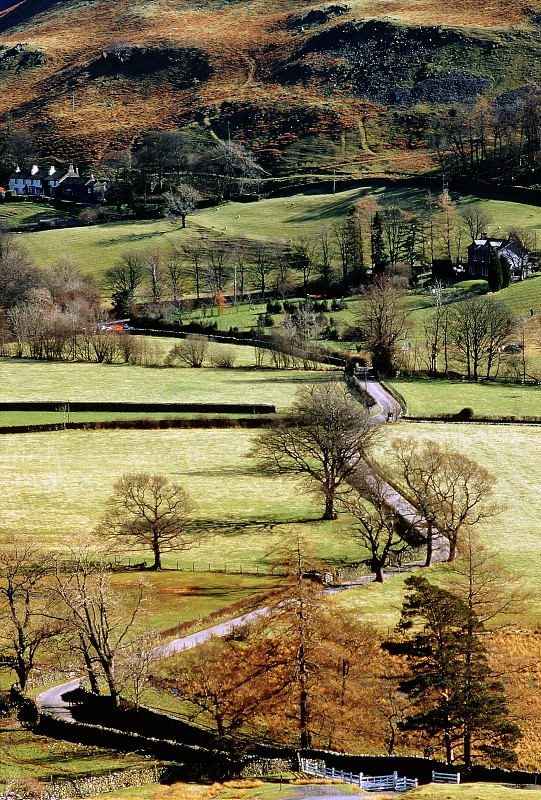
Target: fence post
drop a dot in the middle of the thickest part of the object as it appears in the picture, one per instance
(342, 774)
(332, 773)
(351, 777)
(458, 777)
(433, 776)
(361, 779)
(395, 779)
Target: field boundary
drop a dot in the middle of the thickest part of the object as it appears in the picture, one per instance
(145, 424)
(168, 408)
(474, 420)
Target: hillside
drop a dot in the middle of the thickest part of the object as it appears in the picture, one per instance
(346, 85)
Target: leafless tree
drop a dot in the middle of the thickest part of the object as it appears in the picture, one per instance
(126, 275)
(262, 264)
(25, 599)
(191, 351)
(182, 201)
(149, 512)
(382, 322)
(378, 528)
(452, 492)
(100, 623)
(476, 218)
(478, 327)
(326, 437)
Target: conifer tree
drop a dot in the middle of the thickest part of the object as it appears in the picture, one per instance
(458, 702)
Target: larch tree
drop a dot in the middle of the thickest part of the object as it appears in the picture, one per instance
(298, 675)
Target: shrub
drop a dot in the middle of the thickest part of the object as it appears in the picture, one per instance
(338, 305)
(464, 414)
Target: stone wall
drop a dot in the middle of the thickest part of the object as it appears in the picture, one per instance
(99, 784)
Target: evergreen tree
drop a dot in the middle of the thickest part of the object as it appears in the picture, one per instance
(379, 256)
(495, 275)
(458, 702)
(506, 271)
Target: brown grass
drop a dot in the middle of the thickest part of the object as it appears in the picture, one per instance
(242, 41)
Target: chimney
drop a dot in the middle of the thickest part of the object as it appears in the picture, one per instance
(52, 170)
(34, 169)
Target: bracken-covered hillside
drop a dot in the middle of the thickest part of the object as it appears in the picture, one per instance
(347, 85)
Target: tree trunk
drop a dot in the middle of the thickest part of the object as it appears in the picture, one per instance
(329, 508)
(378, 569)
(429, 545)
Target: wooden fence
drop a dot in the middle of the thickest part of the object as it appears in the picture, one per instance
(445, 777)
(369, 783)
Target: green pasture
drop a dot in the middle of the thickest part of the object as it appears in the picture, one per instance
(25, 756)
(55, 486)
(513, 454)
(25, 213)
(430, 397)
(22, 380)
(97, 247)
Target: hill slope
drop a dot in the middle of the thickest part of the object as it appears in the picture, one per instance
(343, 86)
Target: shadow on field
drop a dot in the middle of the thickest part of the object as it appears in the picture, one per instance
(243, 527)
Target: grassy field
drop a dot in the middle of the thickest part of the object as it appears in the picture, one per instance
(55, 485)
(39, 758)
(177, 597)
(513, 454)
(13, 214)
(63, 381)
(427, 398)
(280, 219)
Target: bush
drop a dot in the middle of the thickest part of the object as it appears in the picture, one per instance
(274, 307)
(464, 414)
(338, 305)
(289, 307)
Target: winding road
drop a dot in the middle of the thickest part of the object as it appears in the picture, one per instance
(51, 701)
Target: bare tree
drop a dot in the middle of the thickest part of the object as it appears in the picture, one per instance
(182, 201)
(476, 218)
(192, 351)
(452, 493)
(382, 322)
(153, 266)
(101, 624)
(378, 528)
(262, 264)
(24, 603)
(149, 512)
(478, 327)
(126, 275)
(325, 438)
